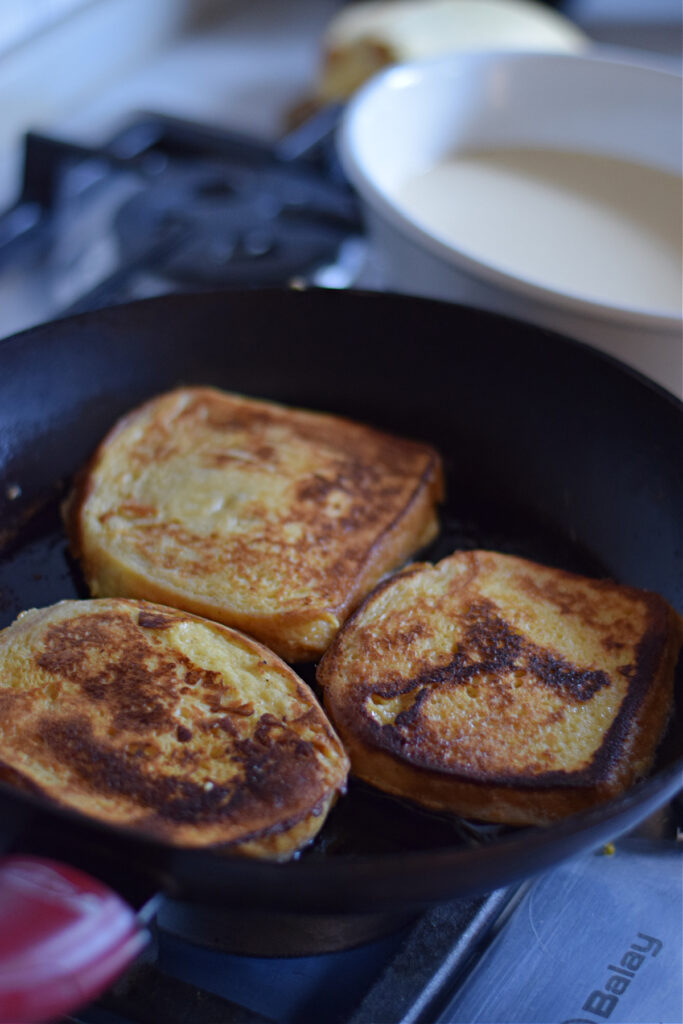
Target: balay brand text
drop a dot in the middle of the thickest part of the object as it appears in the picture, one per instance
(602, 1002)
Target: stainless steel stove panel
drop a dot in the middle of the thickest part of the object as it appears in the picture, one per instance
(600, 938)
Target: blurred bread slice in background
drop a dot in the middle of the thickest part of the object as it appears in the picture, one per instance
(367, 36)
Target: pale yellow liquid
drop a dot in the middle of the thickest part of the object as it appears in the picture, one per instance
(592, 226)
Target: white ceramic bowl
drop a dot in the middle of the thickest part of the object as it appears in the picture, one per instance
(409, 118)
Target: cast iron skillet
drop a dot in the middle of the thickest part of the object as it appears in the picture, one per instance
(553, 451)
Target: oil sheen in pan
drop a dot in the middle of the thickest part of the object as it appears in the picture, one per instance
(36, 569)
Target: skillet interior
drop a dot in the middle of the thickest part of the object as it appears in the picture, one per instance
(552, 451)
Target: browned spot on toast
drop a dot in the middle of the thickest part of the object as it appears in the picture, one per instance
(269, 775)
(501, 648)
(156, 620)
(113, 661)
(491, 647)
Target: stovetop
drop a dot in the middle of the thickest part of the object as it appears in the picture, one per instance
(166, 205)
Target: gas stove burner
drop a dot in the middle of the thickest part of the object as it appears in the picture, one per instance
(167, 205)
(236, 225)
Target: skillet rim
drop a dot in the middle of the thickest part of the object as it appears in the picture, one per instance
(36, 330)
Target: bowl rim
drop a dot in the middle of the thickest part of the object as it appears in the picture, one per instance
(377, 199)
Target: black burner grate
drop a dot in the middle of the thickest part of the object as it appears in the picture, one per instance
(166, 205)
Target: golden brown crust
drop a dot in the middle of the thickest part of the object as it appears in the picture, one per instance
(274, 520)
(500, 689)
(148, 717)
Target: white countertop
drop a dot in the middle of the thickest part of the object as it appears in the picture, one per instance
(242, 64)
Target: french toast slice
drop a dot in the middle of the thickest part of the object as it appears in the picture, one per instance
(498, 689)
(274, 520)
(151, 718)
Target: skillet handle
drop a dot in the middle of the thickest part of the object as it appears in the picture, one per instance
(64, 938)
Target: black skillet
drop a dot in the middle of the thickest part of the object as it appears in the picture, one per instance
(553, 451)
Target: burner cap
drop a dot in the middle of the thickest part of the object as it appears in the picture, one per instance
(250, 932)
